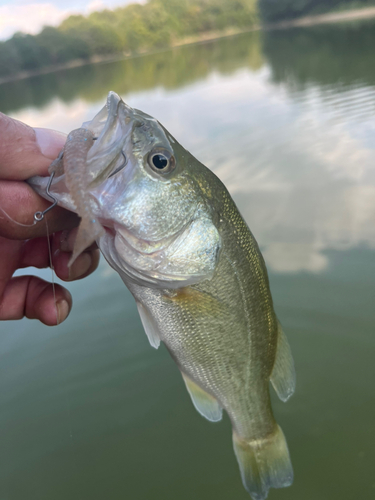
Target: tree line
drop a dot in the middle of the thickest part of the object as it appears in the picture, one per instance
(279, 10)
(128, 30)
(172, 69)
(139, 28)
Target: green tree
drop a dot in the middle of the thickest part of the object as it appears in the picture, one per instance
(58, 47)
(28, 50)
(10, 62)
(96, 34)
(136, 28)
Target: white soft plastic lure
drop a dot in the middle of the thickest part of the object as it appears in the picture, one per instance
(171, 230)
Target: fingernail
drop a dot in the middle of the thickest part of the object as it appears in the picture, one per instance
(80, 266)
(50, 142)
(63, 310)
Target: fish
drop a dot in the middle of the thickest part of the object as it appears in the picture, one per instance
(171, 230)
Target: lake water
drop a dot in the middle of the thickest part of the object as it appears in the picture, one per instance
(88, 410)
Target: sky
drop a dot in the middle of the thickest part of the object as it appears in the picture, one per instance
(30, 16)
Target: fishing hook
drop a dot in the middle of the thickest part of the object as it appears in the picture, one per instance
(121, 166)
(38, 216)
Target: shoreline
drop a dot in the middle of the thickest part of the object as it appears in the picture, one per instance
(77, 63)
(306, 21)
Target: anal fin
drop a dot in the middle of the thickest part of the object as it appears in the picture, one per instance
(283, 377)
(204, 403)
(149, 325)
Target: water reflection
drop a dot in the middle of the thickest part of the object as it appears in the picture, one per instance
(340, 55)
(296, 155)
(170, 70)
(88, 410)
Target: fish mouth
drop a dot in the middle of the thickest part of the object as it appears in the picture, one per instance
(112, 129)
(110, 123)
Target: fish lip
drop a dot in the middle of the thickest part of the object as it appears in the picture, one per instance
(112, 100)
(109, 230)
(112, 124)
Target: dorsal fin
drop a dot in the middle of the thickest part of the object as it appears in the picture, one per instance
(283, 377)
(205, 404)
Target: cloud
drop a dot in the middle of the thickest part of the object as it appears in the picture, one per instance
(29, 18)
(95, 5)
(293, 257)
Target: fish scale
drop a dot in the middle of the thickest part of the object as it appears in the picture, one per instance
(179, 243)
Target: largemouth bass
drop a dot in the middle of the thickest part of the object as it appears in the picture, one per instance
(171, 230)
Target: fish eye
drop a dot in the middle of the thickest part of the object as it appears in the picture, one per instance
(161, 160)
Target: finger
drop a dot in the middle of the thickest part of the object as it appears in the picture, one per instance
(34, 298)
(19, 202)
(36, 253)
(11, 253)
(25, 151)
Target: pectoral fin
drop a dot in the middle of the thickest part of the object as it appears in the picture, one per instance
(149, 325)
(283, 376)
(205, 404)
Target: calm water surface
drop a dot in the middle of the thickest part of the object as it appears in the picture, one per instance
(88, 411)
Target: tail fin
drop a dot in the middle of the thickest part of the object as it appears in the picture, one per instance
(264, 463)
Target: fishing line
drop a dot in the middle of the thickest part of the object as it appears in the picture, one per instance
(52, 273)
(38, 216)
(14, 221)
(49, 254)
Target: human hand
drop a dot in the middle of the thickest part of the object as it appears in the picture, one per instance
(25, 152)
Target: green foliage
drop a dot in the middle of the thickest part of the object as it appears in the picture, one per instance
(277, 10)
(172, 69)
(28, 51)
(132, 29)
(10, 62)
(58, 47)
(95, 33)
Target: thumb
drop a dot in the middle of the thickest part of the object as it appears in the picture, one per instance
(25, 151)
